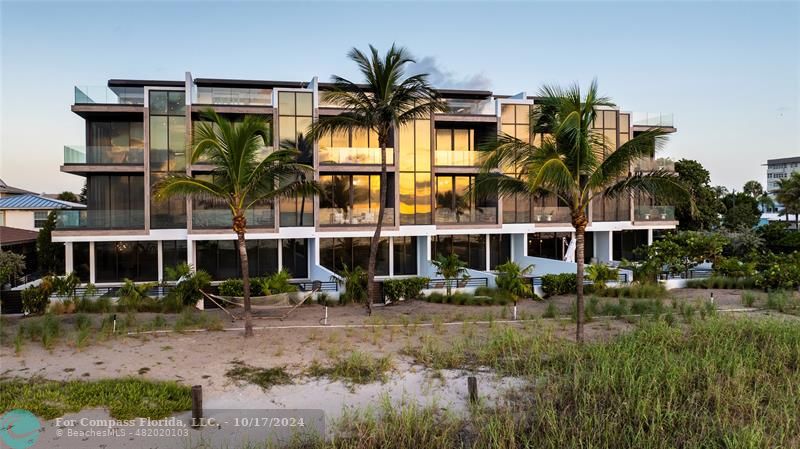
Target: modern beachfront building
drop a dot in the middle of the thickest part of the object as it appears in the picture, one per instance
(138, 131)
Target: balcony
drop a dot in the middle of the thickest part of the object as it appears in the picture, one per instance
(649, 165)
(654, 213)
(653, 119)
(444, 158)
(221, 218)
(354, 217)
(103, 155)
(482, 215)
(356, 156)
(107, 95)
(67, 220)
(233, 96)
(552, 214)
(470, 106)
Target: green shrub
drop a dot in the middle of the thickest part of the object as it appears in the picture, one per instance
(35, 300)
(600, 274)
(510, 278)
(647, 290)
(779, 272)
(231, 287)
(720, 282)
(748, 299)
(187, 290)
(435, 297)
(275, 283)
(551, 311)
(559, 284)
(734, 268)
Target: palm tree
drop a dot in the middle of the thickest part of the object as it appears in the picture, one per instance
(569, 163)
(788, 194)
(387, 100)
(240, 178)
(449, 267)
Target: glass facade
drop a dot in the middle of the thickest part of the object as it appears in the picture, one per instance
(80, 260)
(405, 255)
(625, 242)
(295, 115)
(116, 261)
(173, 253)
(515, 122)
(115, 202)
(469, 248)
(456, 202)
(168, 148)
(335, 253)
(549, 245)
(499, 250)
(115, 142)
(415, 173)
(354, 200)
(220, 258)
(295, 257)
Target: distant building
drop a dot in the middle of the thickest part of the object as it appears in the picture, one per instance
(22, 242)
(29, 211)
(778, 169)
(6, 190)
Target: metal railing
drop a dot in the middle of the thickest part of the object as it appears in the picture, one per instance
(692, 273)
(324, 286)
(654, 213)
(458, 283)
(622, 278)
(78, 154)
(353, 155)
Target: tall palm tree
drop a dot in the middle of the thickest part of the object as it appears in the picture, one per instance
(574, 163)
(387, 100)
(240, 177)
(788, 194)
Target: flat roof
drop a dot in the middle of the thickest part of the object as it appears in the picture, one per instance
(784, 160)
(142, 83)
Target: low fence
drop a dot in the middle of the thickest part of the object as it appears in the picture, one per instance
(622, 278)
(694, 273)
(458, 283)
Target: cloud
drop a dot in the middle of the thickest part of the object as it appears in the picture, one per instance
(445, 79)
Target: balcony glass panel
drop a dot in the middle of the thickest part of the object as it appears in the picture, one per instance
(233, 96)
(99, 219)
(483, 215)
(221, 218)
(339, 155)
(653, 119)
(100, 155)
(354, 216)
(457, 158)
(468, 106)
(109, 95)
(654, 213)
(552, 214)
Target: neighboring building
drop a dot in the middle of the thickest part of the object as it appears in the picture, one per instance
(6, 190)
(29, 211)
(778, 169)
(22, 242)
(137, 132)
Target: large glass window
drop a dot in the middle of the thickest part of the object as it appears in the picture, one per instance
(295, 115)
(549, 245)
(456, 202)
(625, 242)
(80, 260)
(173, 253)
(469, 248)
(168, 148)
(499, 250)
(116, 261)
(115, 202)
(295, 257)
(115, 143)
(405, 255)
(220, 258)
(415, 177)
(335, 253)
(354, 200)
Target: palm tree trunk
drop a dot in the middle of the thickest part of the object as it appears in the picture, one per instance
(580, 229)
(372, 286)
(239, 226)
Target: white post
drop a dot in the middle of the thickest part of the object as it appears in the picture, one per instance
(69, 263)
(92, 267)
(488, 248)
(391, 256)
(160, 252)
(280, 254)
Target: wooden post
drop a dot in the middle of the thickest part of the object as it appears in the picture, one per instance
(197, 405)
(472, 387)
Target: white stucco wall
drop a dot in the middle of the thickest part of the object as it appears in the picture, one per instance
(21, 219)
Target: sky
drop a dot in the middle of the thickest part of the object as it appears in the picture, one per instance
(728, 71)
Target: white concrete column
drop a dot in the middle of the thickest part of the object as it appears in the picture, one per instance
(391, 256)
(190, 254)
(280, 254)
(649, 237)
(160, 252)
(488, 248)
(69, 263)
(92, 266)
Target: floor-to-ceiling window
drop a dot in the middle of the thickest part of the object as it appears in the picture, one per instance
(117, 261)
(173, 253)
(456, 201)
(295, 257)
(335, 253)
(415, 173)
(471, 249)
(220, 258)
(115, 142)
(405, 255)
(115, 201)
(354, 200)
(295, 115)
(626, 242)
(167, 154)
(499, 250)
(549, 245)
(80, 260)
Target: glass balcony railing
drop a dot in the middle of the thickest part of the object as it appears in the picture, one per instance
(654, 213)
(355, 216)
(341, 155)
(648, 165)
(233, 96)
(221, 218)
(470, 107)
(444, 158)
(99, 219)
(653, 119)
(483, 215)
(551, 215)
(108, 95)
(101, 155)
